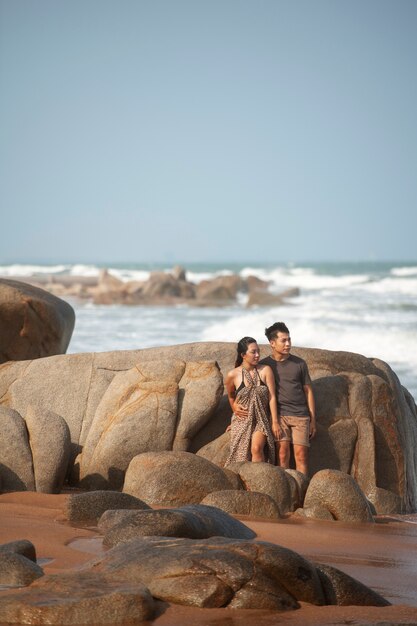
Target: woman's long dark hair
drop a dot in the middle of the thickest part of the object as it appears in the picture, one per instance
(242, 348)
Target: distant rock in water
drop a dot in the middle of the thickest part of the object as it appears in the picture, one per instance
(118, 405)
(33, 322)
(164, 289)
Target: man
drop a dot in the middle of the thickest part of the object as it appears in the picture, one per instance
(296, 407)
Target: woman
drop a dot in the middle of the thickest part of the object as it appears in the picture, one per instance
(253, 388)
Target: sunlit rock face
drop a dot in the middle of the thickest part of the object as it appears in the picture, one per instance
(33, 322)
(124, 403)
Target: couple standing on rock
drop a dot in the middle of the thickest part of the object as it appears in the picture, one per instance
(272, 402)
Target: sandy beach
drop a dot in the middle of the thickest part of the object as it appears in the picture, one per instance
(380, 555)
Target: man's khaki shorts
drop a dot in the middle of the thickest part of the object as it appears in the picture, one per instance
(295, 429)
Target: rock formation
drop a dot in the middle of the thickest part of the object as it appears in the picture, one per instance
(122, 586)
(218, 572)
(91, 505)
(119, 405)
(33, 322)
(153, 406)
(195, 521)
(272, 481)
(336, 493)
(173, 478)
(164, 289)
(77, 598)
(239, 502)
(34, 453)
(16, 570)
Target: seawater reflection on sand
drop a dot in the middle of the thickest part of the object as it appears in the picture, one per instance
(410, 518)
(381, 555)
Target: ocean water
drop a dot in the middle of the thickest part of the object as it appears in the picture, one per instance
(368, 308)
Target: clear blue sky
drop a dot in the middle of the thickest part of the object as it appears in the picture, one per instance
(191, 130)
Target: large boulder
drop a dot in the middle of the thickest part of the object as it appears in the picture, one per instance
(91, 505)
(264, 298)
(16, 467)
(385, 502)
(154, 406)
(218, 572)
(138, 409)
(162, 284)
(367, 422)
(20, 546)
(301, 481)
(33, 322)
(340, 495)
(219, 291)
(34, 452)
(270, 480)
(77, 598)
(16, 570)
(218, 450)
(50, 444)
(238, 502)
(109, 289)
(194, 521)
(173, 478)
(343, 590)
(214, 572)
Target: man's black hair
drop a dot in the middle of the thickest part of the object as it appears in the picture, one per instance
(272, 331)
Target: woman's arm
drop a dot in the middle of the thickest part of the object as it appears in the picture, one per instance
(230, 387)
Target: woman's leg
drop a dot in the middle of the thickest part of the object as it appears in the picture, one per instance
(257, 446)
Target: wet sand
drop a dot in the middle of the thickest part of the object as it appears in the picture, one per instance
(382, 555)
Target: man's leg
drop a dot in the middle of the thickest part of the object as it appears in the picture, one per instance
(257, 447)
(284, 453)
(301, 458)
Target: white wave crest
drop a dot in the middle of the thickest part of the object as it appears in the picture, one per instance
(304, 278)
(404, 271)
(390, 285)
(129, 275)
(31, 270)
(197, 277)
(84, 270)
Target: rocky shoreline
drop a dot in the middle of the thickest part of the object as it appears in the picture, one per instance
(382, 557)
(138, 437)
(162, 289)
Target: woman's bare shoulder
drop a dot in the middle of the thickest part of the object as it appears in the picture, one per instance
(232, 373)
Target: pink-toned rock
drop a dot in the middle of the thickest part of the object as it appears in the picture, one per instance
(367, 422)
(140, 411)
(50, 444)
(78, 598)
(242, 502)
(173, 478)
(340, 495)
(220, 290)
(33, 322)
(16, 466)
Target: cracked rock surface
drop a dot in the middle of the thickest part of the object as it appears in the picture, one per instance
(219, 572)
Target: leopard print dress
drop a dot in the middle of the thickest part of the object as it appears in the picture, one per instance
(255, 397)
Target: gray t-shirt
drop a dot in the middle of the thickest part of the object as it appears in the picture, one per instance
(290, 377)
